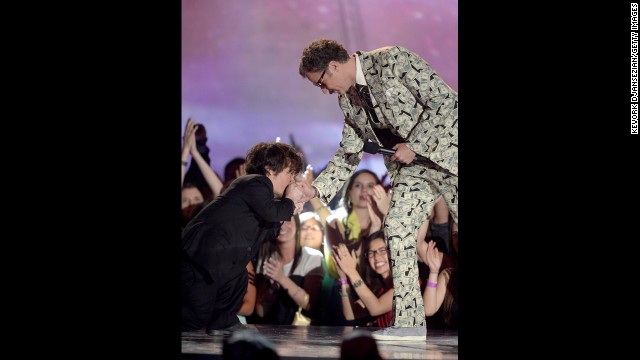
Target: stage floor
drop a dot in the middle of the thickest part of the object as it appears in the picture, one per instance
(323, 342)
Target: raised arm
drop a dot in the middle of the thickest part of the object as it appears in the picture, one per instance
(378, 207)
(436, 288)
(188, 141)
(320, 208)
(347, 262)
(209, 175)
(258, 194)
(351, 308)
(341, 166)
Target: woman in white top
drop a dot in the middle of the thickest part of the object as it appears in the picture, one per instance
(289, 276)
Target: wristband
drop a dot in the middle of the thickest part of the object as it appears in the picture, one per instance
(344, 281)
(185, 163)
(432, 284)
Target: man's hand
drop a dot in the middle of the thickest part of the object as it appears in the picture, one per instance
(294, 192)
(403, 154)
(308, 174)
(307, 190)
(298, 194)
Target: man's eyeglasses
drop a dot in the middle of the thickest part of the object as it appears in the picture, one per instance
(312, 227)
(381, 252)
(319, 83)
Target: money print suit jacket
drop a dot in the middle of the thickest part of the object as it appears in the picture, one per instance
(411, 100)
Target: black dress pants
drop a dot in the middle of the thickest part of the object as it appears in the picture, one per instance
(212, 305)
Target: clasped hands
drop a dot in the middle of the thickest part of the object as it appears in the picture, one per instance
(299, 192)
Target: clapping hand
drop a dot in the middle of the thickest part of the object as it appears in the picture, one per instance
(344, 259)
(378, 206)
(189, 139)
(274, 270)
(341, 273)
(376, 219)
(381, 198)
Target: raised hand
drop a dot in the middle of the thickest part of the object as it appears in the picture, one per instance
(341, 273)
(345, 260)
(296, 193)
(241, 170)
(382, 199)
(308, 174)
(189, 140)
(433, 257)
(376, 219)
(189, 135)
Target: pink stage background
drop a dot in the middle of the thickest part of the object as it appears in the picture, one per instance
(240, 66)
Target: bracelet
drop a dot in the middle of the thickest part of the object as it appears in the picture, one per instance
(432, 284)
(343, 294)
(184, 163)
(296, 293)
(357, 283)
(344, 281)
(433, 272)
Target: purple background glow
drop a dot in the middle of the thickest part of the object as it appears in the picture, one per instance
(240, 66)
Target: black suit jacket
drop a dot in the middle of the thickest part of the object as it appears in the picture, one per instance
(228, 232)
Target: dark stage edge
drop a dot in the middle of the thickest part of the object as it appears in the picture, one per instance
(323, 342)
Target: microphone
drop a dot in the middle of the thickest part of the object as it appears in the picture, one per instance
(373, 148)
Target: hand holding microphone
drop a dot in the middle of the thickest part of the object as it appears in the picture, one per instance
(373, 148)
(400, 152)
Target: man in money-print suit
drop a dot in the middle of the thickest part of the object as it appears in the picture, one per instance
(413, 111)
